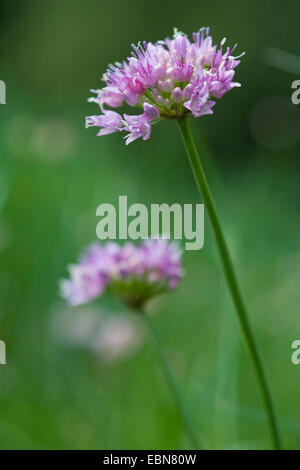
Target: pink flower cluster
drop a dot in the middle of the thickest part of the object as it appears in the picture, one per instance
(134, 273)
(168, 79)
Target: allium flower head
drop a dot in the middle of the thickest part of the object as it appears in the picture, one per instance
(168, 79)
(133, 273)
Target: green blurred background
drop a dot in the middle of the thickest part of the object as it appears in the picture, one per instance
(62, 386)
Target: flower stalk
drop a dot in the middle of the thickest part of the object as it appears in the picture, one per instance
(230, 276)
(172, 384)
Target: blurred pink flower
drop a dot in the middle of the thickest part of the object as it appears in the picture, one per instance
(134, 273)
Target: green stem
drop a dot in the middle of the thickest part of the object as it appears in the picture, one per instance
(231, 279)
(172, 384)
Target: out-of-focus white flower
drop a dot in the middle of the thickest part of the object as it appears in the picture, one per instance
(119, 337)
(109, 336)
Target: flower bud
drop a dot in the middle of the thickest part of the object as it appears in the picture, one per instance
(177, 95)
(151, 111)
(187, 92)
